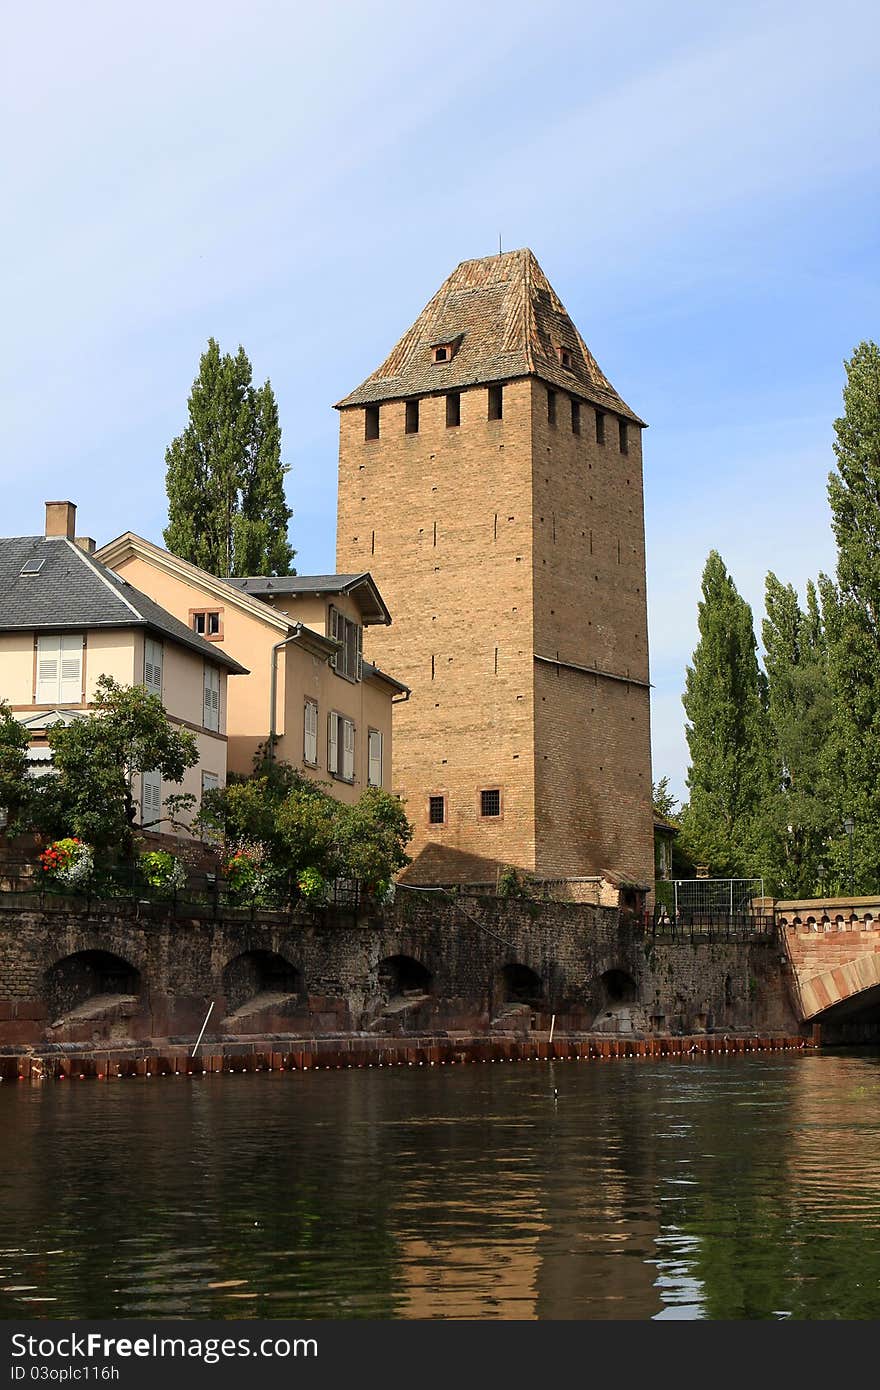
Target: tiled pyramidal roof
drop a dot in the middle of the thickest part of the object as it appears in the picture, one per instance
(510, 323)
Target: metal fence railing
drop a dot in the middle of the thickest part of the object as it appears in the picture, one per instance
(203, 896)
(708, 927)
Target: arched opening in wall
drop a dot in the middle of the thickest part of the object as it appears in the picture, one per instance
(402, 976)
(87, 983)
(521, 985)
(619, 987)
(259, 980)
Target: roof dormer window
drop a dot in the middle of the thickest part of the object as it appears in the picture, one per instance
(444, 351)
(564, 357)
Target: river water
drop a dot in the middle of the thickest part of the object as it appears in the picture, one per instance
(746, 1187)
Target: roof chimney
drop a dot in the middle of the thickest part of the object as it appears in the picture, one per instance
(86, 543)
(61, 519)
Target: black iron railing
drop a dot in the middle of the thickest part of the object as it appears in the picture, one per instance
(203, 896)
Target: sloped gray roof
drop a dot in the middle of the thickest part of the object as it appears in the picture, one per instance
(74, 590)
(508, 322)
(361, 586)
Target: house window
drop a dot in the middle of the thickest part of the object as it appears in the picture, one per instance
(310, 733)
(151, 798)
(348, 661)
(412, 417)
(600, 427)
(207, 622)
(60, 670)
(575, 417)
(624, 439)
(371, 422)
(210, 782)
(551, 407)
(153, 666)
(436, 810)
(490, 802)
(211, 710)
(496, 402)
(374, 765)
(453, 409)
(340, 747)
(564, 357)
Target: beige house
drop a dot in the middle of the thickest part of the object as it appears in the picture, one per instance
(301, 639)
(66, 619)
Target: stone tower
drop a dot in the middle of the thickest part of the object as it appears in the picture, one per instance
(490, 478)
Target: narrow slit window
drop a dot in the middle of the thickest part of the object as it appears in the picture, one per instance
(600, 427)
(453, 410)
(624, 439)
(551, 407)
(371, 422)
(575, 417)
(496, 402)
(412, 417)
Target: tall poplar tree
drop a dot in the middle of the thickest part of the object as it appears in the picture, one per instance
(227, 511)
(852, 609)
(727, 731)
(801, 811)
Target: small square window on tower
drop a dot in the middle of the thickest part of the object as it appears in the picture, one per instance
(445, 351)
(412, 417)
(490, 802)
(436, 810)
(453, 409)
(496, 403)
(371, 422)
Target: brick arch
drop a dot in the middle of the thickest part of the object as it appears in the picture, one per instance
(844, 981)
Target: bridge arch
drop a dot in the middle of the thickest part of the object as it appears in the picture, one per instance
(521, 985)
(618, 987)
(256, 975)
(402, 975)
(89, 978)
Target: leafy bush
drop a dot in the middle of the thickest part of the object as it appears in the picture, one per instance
(312, 885)
(69, 862)
(160, 869)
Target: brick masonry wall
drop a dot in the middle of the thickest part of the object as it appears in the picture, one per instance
(443, 520)
(343, 971)
(491, 541)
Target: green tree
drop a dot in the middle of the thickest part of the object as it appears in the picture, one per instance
(725, 703)
(96, 759)
(227, 511)
(665, 803)
(852, 617)
(14, 740)
(801, 815)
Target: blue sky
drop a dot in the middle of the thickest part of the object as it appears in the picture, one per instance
(700, 183)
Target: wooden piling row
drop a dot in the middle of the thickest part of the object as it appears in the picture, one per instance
(336, 1054)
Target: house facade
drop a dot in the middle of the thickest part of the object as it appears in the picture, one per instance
(66, 620)
(491, 477)
(327, 711)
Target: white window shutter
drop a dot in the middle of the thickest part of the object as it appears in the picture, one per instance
(332, 743)
(48, 670)
(334, 633)
(153, 666)
(374, 772)
(348, 750)
(151, 797)
(71, 669)
(211, 718)
(310, 732)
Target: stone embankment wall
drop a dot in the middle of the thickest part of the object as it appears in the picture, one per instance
(477, 965)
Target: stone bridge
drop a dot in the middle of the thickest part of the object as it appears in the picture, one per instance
(833, 948)
(73, 974)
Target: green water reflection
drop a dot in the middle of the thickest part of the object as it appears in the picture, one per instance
(740, 1188)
